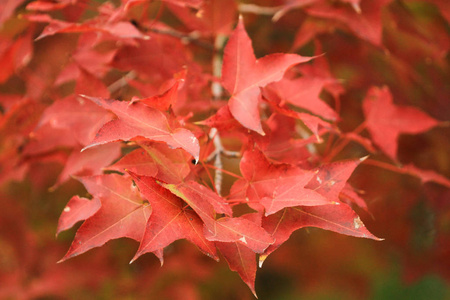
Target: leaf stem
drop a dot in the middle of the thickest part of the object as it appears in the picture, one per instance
(224, 171)
(341, 143)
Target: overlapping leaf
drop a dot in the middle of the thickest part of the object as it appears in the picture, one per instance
(304, 92)
(313, 123)
(277, 186)
(137, 119)
(157, 160)
(206, 204)
(169, 221)
(332, 178)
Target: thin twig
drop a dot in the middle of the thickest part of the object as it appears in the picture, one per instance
(217, 91)
(193, 37)
(340, 145)
(258, 10)
(121, 82)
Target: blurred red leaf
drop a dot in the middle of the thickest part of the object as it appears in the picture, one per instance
(14, 55)
(80, 118)
(89, 162)
(215, 17)
(364, 20)
(119, 29)
(303, 92)
(386, 121)
(7, 8)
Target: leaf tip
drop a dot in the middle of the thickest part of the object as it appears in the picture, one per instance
(61, 260)
(254, 292)
(364, 158)
(259, 130)
(262, 259)
(136, 256)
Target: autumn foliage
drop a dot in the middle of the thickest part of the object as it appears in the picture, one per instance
(227, 124)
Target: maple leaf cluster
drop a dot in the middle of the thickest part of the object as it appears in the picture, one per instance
(180, 132)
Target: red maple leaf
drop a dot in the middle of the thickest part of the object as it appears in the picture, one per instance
(156, 160)
(164, 101)
(386, 121)
(170, 220)
(276, 186)
(240, 258)
(77, 209)
(312, 122)
(335, 217)
(137, 119)
(243, 75)
(206, 204)
(332, 178)
(123, 213)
